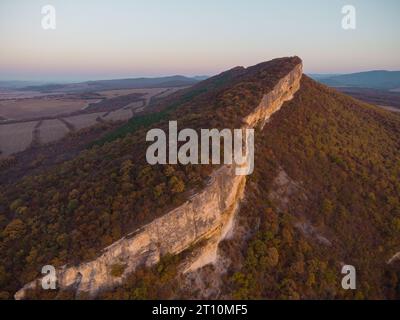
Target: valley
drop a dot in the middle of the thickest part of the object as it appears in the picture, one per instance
(32, 121)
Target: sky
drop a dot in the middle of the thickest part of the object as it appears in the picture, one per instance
(105, 39)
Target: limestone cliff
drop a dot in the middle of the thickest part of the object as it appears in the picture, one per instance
(206, 215)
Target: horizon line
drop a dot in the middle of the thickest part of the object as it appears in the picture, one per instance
(87, 79)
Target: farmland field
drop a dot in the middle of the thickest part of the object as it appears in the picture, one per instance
(134, 105)
(149, 93)
(123, 92)
(7, 94)
(20, 109)
(118, 115)
(15, 137)
(52, 130)
(45, 118)
(84, 120)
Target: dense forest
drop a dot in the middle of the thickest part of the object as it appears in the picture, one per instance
(342, 158)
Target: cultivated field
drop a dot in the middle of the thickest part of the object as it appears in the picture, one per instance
(149, 93)
(84, 120)
(124, 92)
(169, 91)
(16, 137)
(20, 109)
(118, 115)
(134, 105)
(52, 130)
(52, 121)
(15, 94)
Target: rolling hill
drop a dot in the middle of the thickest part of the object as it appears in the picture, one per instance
(378, 79)
(100, 85)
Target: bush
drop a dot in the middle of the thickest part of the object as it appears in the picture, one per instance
(117, 269)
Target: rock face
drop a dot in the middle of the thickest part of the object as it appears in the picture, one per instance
(272, 101)
(208, 215)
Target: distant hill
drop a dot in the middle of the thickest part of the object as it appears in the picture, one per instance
(98, 85)
(379, 79)
(19, 84)
(319, 76)
(201, 78)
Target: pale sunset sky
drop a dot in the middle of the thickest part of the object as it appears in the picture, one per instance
(104, 39)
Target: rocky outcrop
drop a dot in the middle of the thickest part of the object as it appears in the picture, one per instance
(272, 101)
(207, 215)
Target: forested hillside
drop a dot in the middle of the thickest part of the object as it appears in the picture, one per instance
(340, 202)
(70, 212)
(325, 192)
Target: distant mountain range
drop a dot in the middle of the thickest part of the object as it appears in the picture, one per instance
(98, 85)
(17, 84)
(378, 79)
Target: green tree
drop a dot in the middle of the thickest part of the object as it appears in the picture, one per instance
(176, 184)
(14, 230)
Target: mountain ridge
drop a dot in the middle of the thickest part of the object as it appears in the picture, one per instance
(375, 79)
(326, 168)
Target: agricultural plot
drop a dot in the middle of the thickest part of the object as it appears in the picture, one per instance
(52, 130)
(134, 105)
(123, 92)
(169, 91)
(15, 137)
(153, 92)
(37, 107)
(119, 115)
(84, 120)
(9, 94)
(147, 92)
